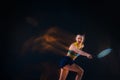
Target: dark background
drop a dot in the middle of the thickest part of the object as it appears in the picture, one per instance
(99, 20)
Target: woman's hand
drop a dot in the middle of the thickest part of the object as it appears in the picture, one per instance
(89, 56)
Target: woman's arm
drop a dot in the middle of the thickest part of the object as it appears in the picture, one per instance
(83, 53)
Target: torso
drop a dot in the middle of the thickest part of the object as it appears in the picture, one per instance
(73, 55)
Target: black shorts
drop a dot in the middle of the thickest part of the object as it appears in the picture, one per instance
(65, 61)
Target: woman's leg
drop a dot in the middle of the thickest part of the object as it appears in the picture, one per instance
(63, 74)
(75, 68)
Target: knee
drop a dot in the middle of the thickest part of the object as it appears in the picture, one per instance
(81, 71)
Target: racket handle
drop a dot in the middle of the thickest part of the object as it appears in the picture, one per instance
(94, 56)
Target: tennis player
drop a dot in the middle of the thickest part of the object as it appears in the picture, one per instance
(67, 63)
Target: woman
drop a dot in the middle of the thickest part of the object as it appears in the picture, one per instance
(67, 63)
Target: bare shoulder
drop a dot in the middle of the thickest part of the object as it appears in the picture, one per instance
(71, 46)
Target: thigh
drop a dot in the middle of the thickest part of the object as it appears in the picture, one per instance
(74, 67)
(64, 71)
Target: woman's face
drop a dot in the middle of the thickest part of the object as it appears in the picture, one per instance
(79, 39)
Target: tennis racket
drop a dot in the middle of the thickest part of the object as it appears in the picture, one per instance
(103, 53)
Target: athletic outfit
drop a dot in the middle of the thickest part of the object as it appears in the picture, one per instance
(71, 56)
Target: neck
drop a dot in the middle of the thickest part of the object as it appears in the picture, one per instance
(78, 43)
